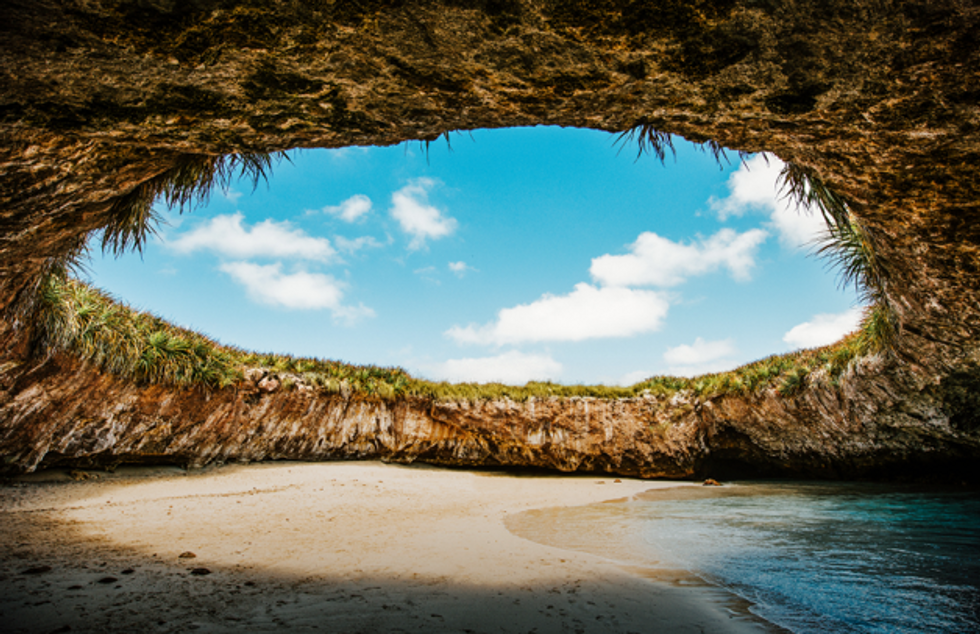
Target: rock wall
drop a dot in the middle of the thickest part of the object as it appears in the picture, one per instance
(880, 98)
(60, 412)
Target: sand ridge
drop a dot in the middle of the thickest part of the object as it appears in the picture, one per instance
(335, 547)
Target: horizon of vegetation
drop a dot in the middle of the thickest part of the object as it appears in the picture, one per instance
(78, 318)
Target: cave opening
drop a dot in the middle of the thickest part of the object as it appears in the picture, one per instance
(511, 255)
(876, 103)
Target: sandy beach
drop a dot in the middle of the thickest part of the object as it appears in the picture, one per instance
(332, 547)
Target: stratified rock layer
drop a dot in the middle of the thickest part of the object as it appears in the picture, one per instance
(59, 412)
(878, 98)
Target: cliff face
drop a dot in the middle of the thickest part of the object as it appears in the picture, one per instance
(878, 98)
(60, 412)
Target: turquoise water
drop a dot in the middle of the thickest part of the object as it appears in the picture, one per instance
(812, 558)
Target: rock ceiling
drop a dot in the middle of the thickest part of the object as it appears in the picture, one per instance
(880, 99)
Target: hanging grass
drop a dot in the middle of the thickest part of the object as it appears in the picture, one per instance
(849, 248)
(650, 140)
(190, 181)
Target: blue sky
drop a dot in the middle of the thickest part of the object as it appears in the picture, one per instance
(520, 254)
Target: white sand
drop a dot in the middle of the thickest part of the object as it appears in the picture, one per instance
(332, 547)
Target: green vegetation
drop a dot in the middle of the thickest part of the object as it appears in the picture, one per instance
(444, 391)
(143, 347)
(188, 182)
(118, 339)
(78, 318)
(787, 373)
(650, 140)
(850, 249)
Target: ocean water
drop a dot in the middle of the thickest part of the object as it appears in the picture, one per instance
(812, 558)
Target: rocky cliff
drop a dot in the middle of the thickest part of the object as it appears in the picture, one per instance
(878, 98)
(60, 412)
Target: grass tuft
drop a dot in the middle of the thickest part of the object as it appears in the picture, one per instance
(126, 342)
(649, 140)
(132, 217)
(850, 249)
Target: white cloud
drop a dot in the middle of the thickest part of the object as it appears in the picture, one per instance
(632, 378)
(797, 228)
(353, 246)
(410, 207)
(700, 358)
(460, 268)
(514, 368)
(267, 284)
(585, 313)
(352, 209)
(754, 186)
(700, 352)
(657, 261)
(227, 236)
(824, 329)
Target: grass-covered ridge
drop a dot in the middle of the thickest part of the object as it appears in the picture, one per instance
(136, 345)
(77, 318)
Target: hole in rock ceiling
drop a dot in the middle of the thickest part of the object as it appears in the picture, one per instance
(513, 255)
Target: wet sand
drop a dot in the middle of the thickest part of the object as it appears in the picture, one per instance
(331, 547)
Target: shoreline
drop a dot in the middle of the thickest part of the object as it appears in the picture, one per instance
(337, 546)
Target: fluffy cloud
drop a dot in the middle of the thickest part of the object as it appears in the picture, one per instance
(514, 368)
(701, 357)
(823, 329)
(460, 268)
(754, 186)
(267, 284)
(585, 313)
(700, 352)
(352, 209)
(410, 207)
(657, 261)
(226, 235)
(797, 227)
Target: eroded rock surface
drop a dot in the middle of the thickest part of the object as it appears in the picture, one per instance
(879, 98)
